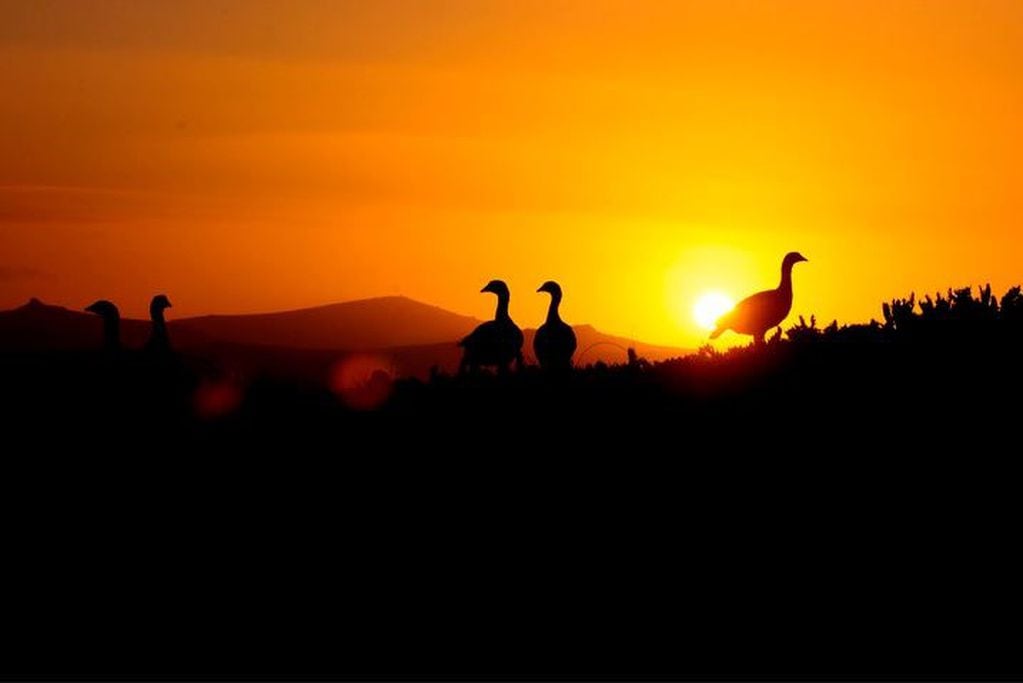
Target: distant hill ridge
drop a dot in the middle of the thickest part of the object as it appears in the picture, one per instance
(362, 324)
(397, 325)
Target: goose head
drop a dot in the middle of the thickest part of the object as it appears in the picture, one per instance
(104, 309)
(552, 288)
(158, 304)
(497, 287)
(791, 259)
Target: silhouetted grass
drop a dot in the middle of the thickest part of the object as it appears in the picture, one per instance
(859, 480)
(925, 355)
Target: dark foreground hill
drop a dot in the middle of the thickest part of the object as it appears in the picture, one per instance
(845, 500)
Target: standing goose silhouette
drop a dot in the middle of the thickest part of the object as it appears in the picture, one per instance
(159, 340)
(111, 323)
(496, 342)
(554, 342)
(758, 313)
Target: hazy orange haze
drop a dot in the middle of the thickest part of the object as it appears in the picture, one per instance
(247, 156)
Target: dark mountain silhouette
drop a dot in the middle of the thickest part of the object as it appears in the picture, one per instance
(411, 337)
(38, 327)
(364, 324)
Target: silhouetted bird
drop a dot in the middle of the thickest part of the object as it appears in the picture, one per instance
(497, 342)
(111, 323)
(554, 342)
(158, 338)
(757, 314)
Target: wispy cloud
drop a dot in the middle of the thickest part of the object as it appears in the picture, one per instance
(26, 203)
(28, 188)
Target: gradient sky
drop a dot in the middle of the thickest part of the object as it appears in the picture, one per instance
(248, 156)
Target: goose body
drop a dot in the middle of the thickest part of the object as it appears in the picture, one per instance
(757, 314)
(554, 343)
(496, 342)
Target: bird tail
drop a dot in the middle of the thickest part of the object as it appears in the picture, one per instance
(717, 332)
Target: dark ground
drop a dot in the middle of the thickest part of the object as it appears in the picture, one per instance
(844, 503)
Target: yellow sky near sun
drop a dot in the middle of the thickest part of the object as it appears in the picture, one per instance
(247, 156)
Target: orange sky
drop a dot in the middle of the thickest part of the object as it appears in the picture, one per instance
(247, 155)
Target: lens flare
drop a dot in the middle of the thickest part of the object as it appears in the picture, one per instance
(363, 381)
(215, 399)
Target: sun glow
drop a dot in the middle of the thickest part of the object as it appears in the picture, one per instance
(709, 307)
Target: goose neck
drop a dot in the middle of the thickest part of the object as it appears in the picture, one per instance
(502, 307)
(552, 310)
(786, 278)
(159, 323)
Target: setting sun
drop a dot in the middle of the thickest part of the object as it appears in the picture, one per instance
(709, 307)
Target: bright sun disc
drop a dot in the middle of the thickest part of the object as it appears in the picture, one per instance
(709, 307)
